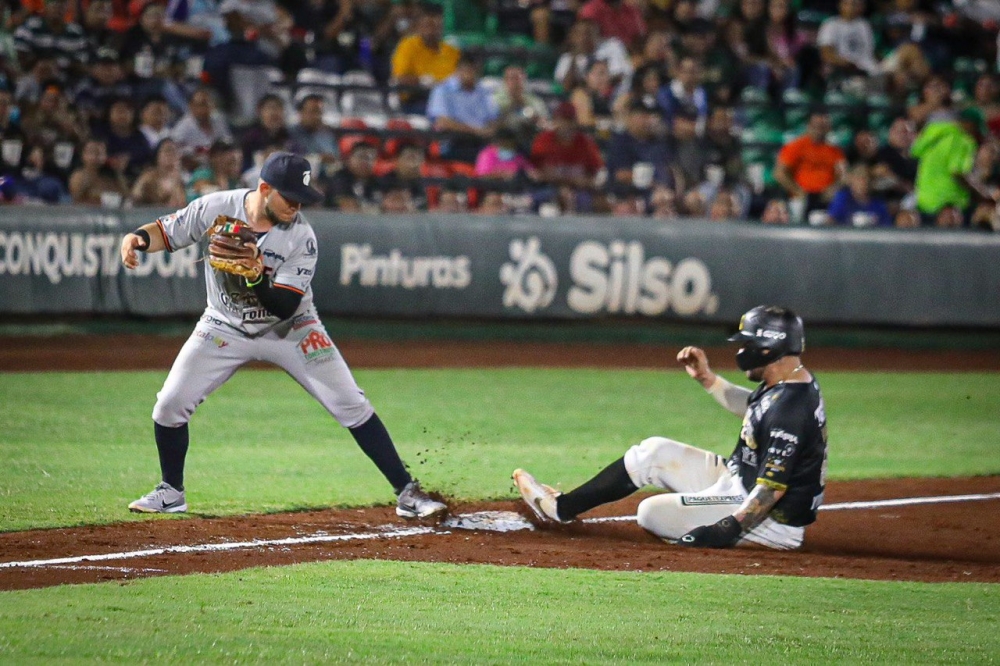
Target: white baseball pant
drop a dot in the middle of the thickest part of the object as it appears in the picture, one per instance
(701, 491)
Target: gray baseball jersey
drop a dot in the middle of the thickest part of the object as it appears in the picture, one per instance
(236, 329)
(288, 251)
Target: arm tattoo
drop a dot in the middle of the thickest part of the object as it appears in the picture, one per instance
(756, 507)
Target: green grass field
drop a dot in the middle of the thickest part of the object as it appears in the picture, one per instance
(77, 448)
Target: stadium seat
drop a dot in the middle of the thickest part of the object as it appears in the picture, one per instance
(361, 102)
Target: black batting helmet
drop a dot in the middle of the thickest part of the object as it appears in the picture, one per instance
(767, 333)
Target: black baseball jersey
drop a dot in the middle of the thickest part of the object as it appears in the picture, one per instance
(783, 445)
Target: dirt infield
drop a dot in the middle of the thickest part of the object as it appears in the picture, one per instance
(927, 542)
(933, 542)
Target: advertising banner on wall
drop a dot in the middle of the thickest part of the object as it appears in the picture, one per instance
(65, 260)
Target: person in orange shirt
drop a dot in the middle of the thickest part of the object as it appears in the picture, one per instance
(423, 58)
(809, 168)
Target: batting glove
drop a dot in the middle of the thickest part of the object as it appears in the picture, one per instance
(722, 534)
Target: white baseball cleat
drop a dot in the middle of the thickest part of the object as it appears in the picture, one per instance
(540, 498)
(164, 498)
(415, 503)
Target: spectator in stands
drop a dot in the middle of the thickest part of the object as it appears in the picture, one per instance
(225, 165)
(747, 36)
(461, 104)
(685, 95)
(657, 52)
(96, 24)
(12, 138)
(564, 156)
(127, 147)
(154, 119)
(452, 201)
(863, 148)
(341, 32)
(986, 98)
(584, 47)
(639, 156)
(904, 63)
(354, 188)
(775, 212)
(720, 65)
(52, 120)
(409, 172)
(809, 168)
(616, 18)
(594, 99)
(154, 58)
(855, 205)
(105, 81)
(724, 207)
(501, 159)
(493, 203)
(895, 169)
(32, 81)
(199, 128)
(935, 103)
(721, 147)
(784, 43)
(311, 136)
(250, 177)
(247, 22)
(38, 181)
(270, 128)
(645, 88)
(95, 183)
(847, 43)
(200, 23)
(533, 18)
(519, 110)
(162, 183)
(690, 152)
(397, 200)
(49, 36)
(663, 203)
(423, 58)
(946, 150)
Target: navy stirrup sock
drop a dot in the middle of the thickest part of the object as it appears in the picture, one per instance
(172, 445)
(612, 483)
(375, 441)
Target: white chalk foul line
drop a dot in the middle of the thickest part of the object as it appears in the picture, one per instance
(213, 547)
(415, 531)
(906, 501)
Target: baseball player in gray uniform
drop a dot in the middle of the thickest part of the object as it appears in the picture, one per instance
(269, 317)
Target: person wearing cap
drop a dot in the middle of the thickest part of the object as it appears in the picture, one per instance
(946, 151)
(270, 318)
(642, 143)
(105, 81)
(770, 487)
(566, 158)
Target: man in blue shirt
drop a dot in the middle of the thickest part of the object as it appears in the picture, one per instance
(854, 205)
(463, 105)
(642, 143)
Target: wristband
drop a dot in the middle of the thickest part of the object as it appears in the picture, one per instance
(255, 282)
(144, 237)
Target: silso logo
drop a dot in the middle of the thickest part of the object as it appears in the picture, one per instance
(618, 278)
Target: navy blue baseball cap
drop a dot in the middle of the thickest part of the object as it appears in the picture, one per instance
(290, 174)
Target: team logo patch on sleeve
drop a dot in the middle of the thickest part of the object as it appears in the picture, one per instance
(710, 500)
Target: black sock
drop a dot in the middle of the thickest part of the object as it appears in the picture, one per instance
(172, 445)
(375, 441)
(612, 483)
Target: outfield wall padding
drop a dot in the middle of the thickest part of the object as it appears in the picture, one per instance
(65, 260)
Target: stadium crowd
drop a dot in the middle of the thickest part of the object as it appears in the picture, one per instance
(827, 112)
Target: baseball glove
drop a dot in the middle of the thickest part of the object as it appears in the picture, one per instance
(232, 248)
